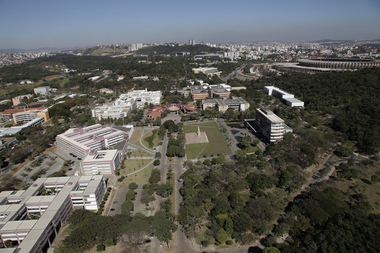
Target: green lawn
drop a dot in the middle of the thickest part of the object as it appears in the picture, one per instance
(155, 140)
(141, 153)
(217, 143)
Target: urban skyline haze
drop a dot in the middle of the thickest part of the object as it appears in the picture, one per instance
(64, 24)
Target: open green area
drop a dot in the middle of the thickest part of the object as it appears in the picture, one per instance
(150, 139)
(140, 153)
(133, 165)
(217, 143)
(135, 138)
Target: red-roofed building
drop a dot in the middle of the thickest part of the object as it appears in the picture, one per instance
(156, 111)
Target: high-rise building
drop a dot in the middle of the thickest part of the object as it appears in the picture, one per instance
(192, 42)
(271, 126)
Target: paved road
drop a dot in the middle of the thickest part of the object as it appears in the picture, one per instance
(155, 245)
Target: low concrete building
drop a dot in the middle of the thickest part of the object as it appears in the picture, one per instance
(19, 99)
(288, 98)
(236, 103)
(44, 90)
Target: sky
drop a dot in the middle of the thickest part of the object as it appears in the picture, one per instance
(33, 24)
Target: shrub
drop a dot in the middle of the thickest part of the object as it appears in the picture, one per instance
(100, 247)
(229, 242)
(156, 162)
(375, 179)
(133, 186)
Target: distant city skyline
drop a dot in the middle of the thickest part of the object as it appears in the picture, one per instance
(64, 24)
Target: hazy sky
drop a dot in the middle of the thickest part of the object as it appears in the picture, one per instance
(31, 24)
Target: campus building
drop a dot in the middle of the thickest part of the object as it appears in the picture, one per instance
(140, 97)
(288, 98)
(19, 99)
(85, 143)
(156, 111)
(207, 71)
(270, 125)
(101, 162)
(80, 141)
(203, 91)
(44, 90)
(26, 116)
(49, 201)
(235, 103)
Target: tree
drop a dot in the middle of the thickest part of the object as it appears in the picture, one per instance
(100, 247)
(157, 155)
(222, 236)
(156, 162)
(133, 186)
(345, 151)
(271, 250)
(130, 195)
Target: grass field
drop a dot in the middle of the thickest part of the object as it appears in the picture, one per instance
(155, 140)
(217, 143)
(141, 153)
(134, 165)
(135, 138)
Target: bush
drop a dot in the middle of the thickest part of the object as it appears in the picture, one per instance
(229, 242)
(375, 179)
(120, 179)
(100, 247)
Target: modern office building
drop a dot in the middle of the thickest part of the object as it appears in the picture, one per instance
(288, 98)
(236, 103)
(49, 201)
(271, 126)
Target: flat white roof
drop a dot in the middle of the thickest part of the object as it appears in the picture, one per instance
(106, 155)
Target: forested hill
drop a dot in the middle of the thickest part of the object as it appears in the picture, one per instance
(351, 97)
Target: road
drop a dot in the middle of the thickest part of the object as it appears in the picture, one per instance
(155, 245)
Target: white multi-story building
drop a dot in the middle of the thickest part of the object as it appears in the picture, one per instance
(35, 236)
(288, 98)
(271, 126)
(81, 141)
(101, 162)
(232, 54)
(140, 97)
